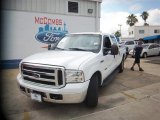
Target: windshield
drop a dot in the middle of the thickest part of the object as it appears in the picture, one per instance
(145, 46)
(80, 42)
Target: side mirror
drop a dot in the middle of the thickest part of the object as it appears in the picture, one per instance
(49, 46)
(114, 49)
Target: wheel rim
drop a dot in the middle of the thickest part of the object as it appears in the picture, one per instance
(145, 55)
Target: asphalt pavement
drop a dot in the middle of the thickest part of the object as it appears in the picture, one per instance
(132, 95)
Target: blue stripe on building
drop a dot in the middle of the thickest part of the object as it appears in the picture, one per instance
(10, 64)
(152, 37)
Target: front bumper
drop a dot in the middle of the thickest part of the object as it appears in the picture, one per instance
(71, 93)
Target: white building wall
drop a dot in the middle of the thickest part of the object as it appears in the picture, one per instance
(141, 35)
(20, 28)
(148, 31)
(51, 6)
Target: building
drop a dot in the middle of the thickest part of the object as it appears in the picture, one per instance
(29, 25)
(148, 33)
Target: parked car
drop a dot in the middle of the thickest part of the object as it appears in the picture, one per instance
(121, 44)
(130, 44)
(149, 49)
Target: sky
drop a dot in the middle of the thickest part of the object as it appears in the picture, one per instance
(114, 14)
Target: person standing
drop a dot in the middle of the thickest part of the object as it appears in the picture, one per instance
(137, 50)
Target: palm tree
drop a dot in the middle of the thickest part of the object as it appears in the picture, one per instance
(144, 16)
(131, 20)
(117, 33)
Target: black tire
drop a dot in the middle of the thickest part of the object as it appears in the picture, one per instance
(121, 66)
(126, 56)
(92, 93)
(144, 55)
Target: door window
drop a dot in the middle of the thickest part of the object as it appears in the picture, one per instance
(107, 42)
(151, 46)
(114, 40)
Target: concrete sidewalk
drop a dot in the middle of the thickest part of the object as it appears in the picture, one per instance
(137, 104)
(150, 65)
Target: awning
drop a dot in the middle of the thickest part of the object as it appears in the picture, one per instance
(151, 37)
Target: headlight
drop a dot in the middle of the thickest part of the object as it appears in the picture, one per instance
(73, 76)
(20, 68)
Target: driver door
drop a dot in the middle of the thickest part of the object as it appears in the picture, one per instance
(108, 60)
(150, 50)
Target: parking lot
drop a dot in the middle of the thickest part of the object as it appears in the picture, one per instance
(132, 95)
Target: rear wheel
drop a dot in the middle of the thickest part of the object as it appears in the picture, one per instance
(92, 93)
(144, 55)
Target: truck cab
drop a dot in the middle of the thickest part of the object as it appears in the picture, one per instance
(72, 70)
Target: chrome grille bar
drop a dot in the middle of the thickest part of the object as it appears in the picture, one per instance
(43, 74)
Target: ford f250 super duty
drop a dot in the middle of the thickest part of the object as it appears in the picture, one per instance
(71, 72)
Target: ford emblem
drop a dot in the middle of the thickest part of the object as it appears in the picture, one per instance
(36, 75)
(49, 34)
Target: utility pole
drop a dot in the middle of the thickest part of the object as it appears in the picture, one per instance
(120, 29)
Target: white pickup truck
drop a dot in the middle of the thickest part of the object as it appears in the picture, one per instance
(73, 70)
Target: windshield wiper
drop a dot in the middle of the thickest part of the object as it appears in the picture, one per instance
(79, 49)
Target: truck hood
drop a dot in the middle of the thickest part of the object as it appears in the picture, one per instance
(67, 59)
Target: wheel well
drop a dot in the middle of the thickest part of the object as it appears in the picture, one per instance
(98, 73)
(123, 56)
(144, 53)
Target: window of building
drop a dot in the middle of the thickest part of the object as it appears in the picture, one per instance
(156, 31)
(72, 7)
(131, 33)
(141, 31)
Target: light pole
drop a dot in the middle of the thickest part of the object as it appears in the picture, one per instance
(120, 29)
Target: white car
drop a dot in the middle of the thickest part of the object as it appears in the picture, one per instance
(130, 44)
(149, 49)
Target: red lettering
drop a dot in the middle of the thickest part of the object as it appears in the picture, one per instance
(36, 20)
(60, 22)
(49, 21)
(57, 21)
(53, 21)
(41, 20)
(45, 20)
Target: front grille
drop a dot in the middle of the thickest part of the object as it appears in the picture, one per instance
(43, 74)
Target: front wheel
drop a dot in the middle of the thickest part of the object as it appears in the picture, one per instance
(92, 93)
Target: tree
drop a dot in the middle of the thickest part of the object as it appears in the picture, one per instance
(144, 16)
(131, 20)
(117, 33)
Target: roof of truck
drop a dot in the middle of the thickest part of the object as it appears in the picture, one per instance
(95, 33)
